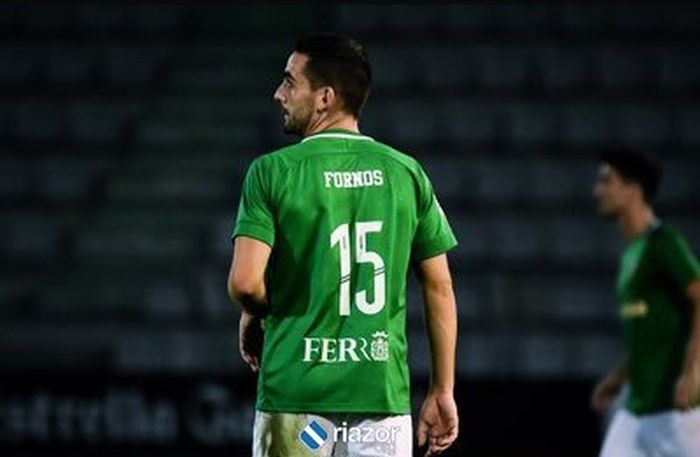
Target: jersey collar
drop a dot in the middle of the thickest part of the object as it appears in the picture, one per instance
(338, 134)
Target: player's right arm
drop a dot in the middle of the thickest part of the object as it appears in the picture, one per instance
(680, 264)
(246, 285)
(254, 237)
(439, 421)
(607, 390)
(687, 392)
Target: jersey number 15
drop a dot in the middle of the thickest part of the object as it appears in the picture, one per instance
(341, 237)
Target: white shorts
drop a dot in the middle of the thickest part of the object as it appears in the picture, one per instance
(331, 435)
(668, 434)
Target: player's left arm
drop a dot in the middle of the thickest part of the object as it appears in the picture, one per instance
(246, 279)
(688, 386)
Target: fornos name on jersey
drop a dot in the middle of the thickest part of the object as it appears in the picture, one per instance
(352, 179)
(343, 350)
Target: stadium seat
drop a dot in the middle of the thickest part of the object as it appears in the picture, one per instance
(573, 299)
(153, 187)
(136, 243)
(597, 354)
(626, 70)
(100, 18)
(468, 124)
(221, 228)
(644, 127)
(576, 239)
(82, 297)
(502, 69)
(533, 126)
(680, 183)
(556, 181)
(582, 20)
(226, 20)
(99, 121)
(466, 18)
(449, 68)
(474, 235)
(679, 70)
(39, 120)
(68, 66)
(18, 65)
(500, 182)
(518, 238)
(413, 124)
(160, 20)
(680, 19)
(30, 237)
(690, 134)
(483, 353)
(358, 18)
(168, 301)
(65, 178)
(177, 351)
(587, 125)
(213, 305)
(521, 18)
(529, 347)
(166, 132)
(564, 69)
(45, 18)
(131, 66)
(15, 177)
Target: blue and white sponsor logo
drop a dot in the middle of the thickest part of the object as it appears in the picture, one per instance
(313, 436)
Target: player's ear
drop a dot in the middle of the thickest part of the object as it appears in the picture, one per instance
(328, 98)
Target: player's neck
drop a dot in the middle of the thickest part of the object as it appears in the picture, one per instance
(340, 121)
(636, 221)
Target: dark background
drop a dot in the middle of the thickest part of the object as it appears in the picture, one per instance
(125, 132)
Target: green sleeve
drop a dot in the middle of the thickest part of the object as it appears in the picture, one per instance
(255, 215)
(433, 234)
(677, 259)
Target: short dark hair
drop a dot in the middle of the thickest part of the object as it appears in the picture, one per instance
(340, 62)
(634, 166)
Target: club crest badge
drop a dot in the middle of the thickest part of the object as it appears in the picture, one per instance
(380, 347)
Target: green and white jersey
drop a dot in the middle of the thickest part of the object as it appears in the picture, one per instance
(345, 216)
(655, 272)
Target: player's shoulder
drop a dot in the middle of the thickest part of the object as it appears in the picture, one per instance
(400, 158)
(665, 233)
(276, 157)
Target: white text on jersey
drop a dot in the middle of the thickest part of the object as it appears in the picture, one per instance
(351, 179)
(340, 350)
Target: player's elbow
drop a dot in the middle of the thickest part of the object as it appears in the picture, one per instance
(240, 287)
(439, 297)
(245, 291)
(438, 286)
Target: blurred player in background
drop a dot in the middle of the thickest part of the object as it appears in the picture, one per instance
(658, 288)
(325, 234)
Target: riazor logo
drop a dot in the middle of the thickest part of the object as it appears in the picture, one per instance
(313, 436)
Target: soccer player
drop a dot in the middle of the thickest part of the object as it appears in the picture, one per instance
(658, 288)
(326, 232)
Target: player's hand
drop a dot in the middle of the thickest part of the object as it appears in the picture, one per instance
(438, 424)
(251, 332)
(687, 391)
(605, 393)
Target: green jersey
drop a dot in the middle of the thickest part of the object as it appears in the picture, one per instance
(345, 216)
(655, 272)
